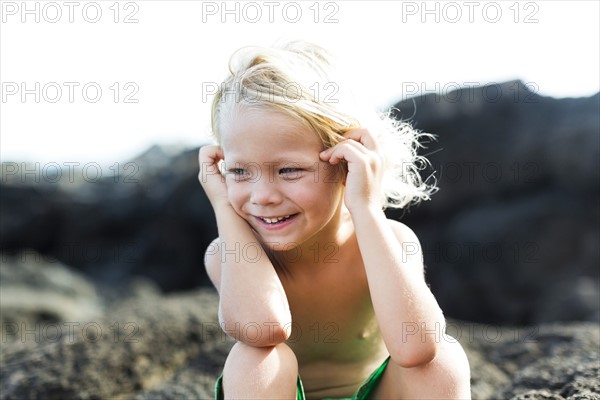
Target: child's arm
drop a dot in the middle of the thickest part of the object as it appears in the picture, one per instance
(253, 307)
(410, 319)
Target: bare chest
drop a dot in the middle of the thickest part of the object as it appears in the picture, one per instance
(335, 334)
(332, 317)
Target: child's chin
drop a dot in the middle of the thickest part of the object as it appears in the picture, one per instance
(269, 243)
(278, 245)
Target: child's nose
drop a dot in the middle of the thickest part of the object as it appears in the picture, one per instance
(265, 192)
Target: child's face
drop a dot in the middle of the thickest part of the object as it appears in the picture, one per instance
(275, 179)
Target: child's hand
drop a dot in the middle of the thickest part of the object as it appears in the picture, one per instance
(211, 179)
(363, 181)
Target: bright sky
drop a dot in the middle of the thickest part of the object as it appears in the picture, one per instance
(151, 70)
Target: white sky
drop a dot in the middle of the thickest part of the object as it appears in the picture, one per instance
(176, 46)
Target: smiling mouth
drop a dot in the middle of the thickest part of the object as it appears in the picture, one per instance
(276, 220)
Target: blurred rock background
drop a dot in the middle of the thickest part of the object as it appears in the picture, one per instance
(104, 295)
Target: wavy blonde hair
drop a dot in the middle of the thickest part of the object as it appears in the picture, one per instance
(297, 78)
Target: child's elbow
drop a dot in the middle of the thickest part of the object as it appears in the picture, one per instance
(269, 332)
(416, 356)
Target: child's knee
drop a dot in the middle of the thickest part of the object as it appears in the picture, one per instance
(452, 366)
(246, 357)
(260, 372)
(456, 356)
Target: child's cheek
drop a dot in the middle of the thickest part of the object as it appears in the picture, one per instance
(235, 196)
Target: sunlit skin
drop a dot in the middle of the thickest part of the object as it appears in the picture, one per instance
(330, 284)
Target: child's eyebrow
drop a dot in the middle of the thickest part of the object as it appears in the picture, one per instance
(292, 160)
(281, 161)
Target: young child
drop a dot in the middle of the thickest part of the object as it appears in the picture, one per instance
(325, 296)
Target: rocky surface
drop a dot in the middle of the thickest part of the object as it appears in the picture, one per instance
(515, 224)
(560, 361)
(146, 345)
(37, 289)
(141, 342)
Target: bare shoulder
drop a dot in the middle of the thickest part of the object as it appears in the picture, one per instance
(411, 247)
(212, 262)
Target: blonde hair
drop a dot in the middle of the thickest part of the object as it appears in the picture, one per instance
(297, 79)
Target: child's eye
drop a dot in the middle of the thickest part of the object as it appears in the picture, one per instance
(291, 173)
(237, 173)
(288, 170)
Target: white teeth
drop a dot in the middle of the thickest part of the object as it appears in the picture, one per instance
(274, 220)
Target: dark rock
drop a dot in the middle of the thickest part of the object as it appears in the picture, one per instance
(152, 220)
(538, 395)
(36, 293)
(515, 223)
(558, 361)
(30, 217)
(136, 346)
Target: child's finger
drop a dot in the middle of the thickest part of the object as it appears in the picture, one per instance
(348, 150)
(211, 154)
(209, 159)
(325, 154)
(363, 136)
